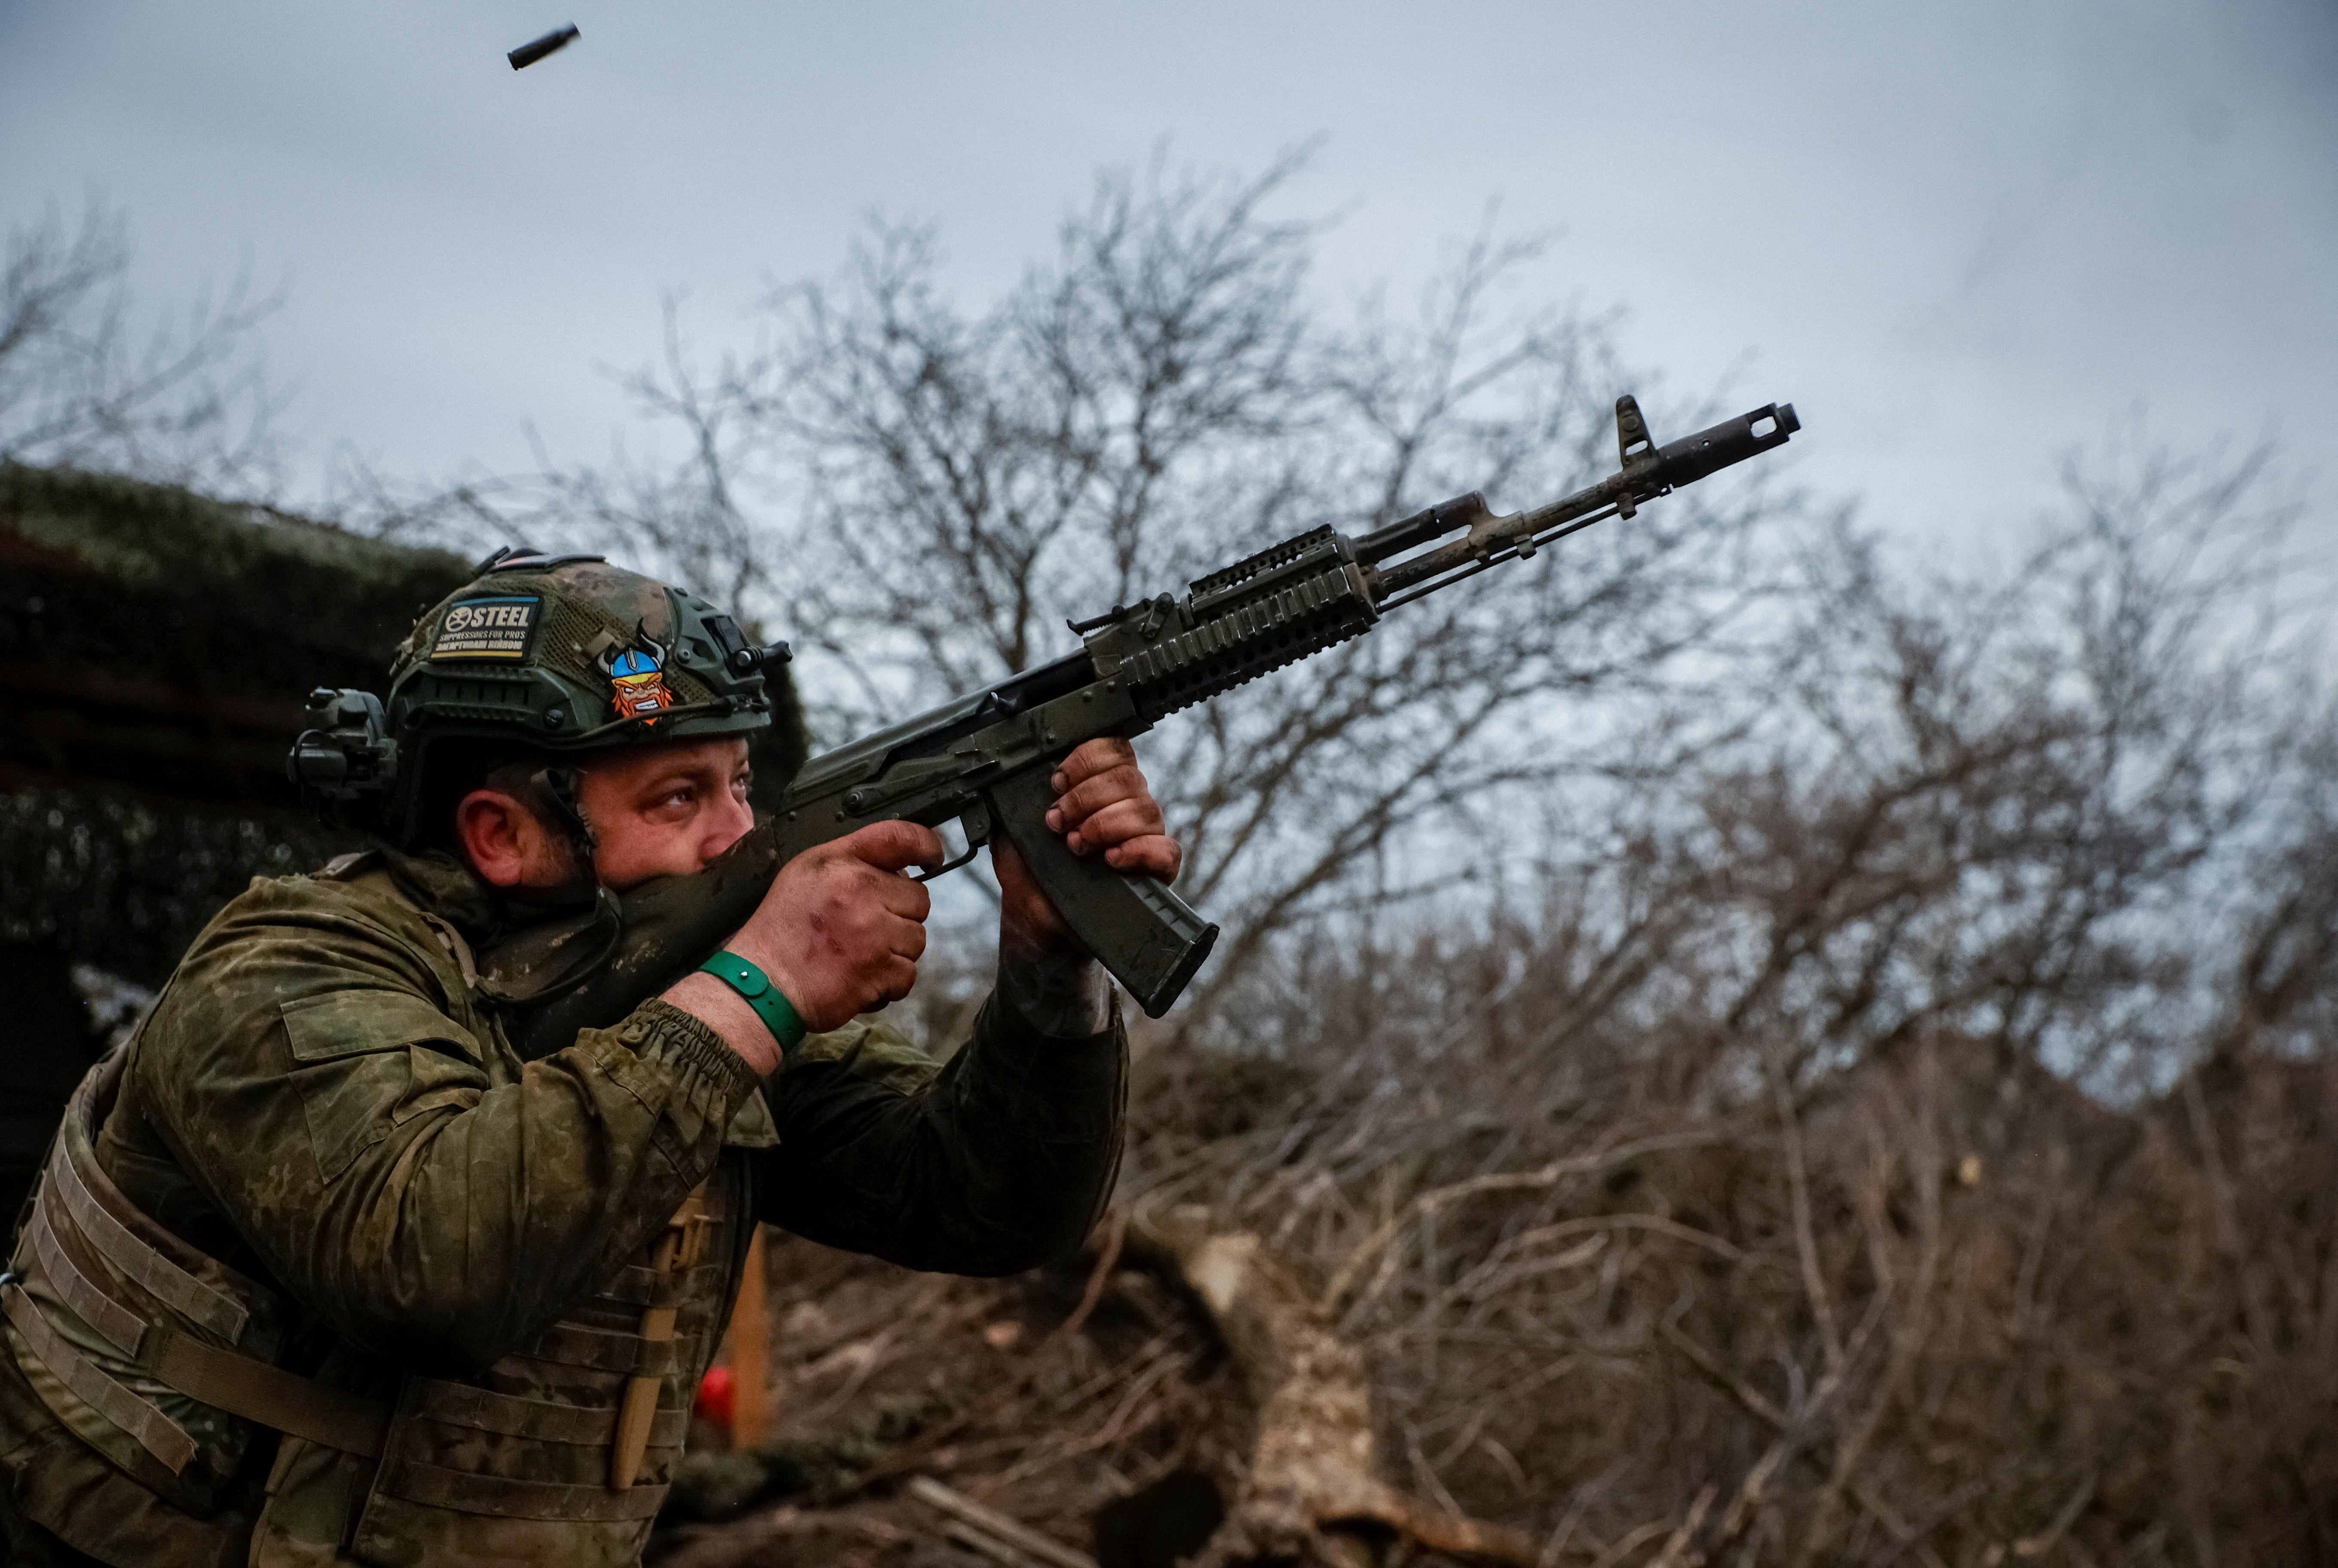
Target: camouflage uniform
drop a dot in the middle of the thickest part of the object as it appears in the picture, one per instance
(322, 1155)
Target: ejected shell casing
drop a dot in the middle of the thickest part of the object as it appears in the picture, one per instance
(529, 54)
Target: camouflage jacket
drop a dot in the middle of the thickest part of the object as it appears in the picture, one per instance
(322, 1125)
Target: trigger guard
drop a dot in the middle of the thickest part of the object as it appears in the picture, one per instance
(947, 867)
(975, 821)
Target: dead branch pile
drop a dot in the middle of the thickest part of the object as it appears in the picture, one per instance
(1933, 1312)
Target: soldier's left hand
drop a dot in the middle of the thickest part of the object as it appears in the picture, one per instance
(1102, 803)
(1103, 806)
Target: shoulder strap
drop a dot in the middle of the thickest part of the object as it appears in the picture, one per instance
(268, 1394)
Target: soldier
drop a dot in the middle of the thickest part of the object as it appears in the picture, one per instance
(320, 1270)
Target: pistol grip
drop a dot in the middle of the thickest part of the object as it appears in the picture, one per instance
(1151, 939)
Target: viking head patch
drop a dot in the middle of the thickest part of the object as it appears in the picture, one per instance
(638, 677)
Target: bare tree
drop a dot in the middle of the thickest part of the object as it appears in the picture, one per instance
(1738, 1193)
(1900, 1132)
(82, 383)
(922, 495)
(2020, 797)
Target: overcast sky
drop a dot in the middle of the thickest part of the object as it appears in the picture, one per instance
(1961, 238)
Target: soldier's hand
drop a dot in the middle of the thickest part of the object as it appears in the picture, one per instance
(1103, 804)
(841, 930)
(1103, 807)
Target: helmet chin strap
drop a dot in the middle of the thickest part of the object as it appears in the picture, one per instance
(558, 790)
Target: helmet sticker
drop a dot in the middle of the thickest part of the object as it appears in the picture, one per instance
(637, 679)
(487, 628)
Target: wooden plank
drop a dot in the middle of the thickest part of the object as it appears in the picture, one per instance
(749, 1351)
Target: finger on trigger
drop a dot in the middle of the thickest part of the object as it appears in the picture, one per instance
(896, 844)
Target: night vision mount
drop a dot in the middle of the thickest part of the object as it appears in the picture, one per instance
(345, 753)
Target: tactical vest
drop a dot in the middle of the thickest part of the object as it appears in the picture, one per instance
(165, 1361)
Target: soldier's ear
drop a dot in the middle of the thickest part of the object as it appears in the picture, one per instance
(503, 842)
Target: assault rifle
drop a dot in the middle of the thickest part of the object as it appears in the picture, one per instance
(984, 760)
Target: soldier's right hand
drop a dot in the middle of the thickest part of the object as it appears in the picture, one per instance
(841, 930)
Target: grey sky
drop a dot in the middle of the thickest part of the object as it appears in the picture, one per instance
(1959, 237)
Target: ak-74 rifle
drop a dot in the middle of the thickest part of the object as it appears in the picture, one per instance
(985, 759)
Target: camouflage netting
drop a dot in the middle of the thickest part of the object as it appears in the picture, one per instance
(158, 645)
(123, 881)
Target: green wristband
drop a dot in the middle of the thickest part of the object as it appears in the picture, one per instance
(756, 990)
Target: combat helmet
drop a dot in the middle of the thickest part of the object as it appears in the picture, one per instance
(558, 656)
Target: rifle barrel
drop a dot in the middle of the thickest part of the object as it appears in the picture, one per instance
(1421, 528)
(1644, 476)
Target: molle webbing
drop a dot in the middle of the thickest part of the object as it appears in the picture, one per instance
(86, 1249)
(155, 1432)
(418, 1481)
(80, 1215)
(75, 1177)
(124, 1328)
(239, 1385)
(601, 1350)
(467, 1405)
(673, 1259)
(406, 1474)
(634, 1286)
